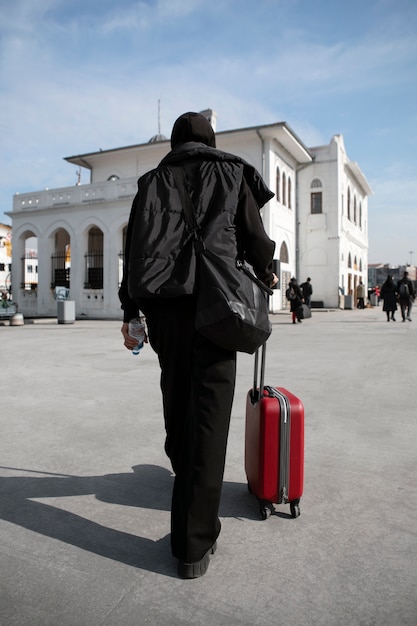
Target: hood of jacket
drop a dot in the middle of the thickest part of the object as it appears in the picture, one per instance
(192, 127)
(193, 137)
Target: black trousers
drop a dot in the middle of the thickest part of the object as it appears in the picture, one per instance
(197, 382)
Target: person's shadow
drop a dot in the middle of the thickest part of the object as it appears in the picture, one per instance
(148, 486)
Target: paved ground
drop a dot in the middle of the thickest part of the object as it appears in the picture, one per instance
(85, 486)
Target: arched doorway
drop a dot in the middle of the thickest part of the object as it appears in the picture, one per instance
(61, 260)
(94, 259)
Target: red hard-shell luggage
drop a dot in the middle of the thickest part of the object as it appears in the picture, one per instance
(274, 445)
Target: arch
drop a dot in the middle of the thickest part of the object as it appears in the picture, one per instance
(29, 262)
(94, 258)
(348, 203)
(61, 258)
(316, 182)
(283, 253)
(57, 225)
(92, 221)
(278, 184)
(26, 231)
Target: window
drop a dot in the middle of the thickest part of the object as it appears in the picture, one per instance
(289, 192)
(354, 209)
(284, 185)
(360, 214)
(316, 183)
(283, 253)
(2, 267)
(278, 185)
(349, 260)
(348, 204)
(316, 202)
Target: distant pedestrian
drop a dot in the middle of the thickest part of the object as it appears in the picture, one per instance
(307, 290)
(295, 297)
(389, 296)
(360, 294)
(406, 295)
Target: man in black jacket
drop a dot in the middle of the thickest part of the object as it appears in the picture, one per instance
(406, 294)
(307, 290)
(197, 377)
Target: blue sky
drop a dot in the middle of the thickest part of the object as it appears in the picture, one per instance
(79, 75)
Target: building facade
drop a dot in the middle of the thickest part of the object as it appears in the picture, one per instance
(81, 230)
(333, 224)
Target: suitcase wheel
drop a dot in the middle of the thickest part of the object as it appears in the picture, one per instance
(295, 508)
(265, 509)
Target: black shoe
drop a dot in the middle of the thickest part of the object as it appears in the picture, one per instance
(299, 321)
(393, 318)
(198, 568)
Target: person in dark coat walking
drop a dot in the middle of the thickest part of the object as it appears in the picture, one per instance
(295, 297)
(197, 377)
(389, 296)
(406, 294)
(307, 289)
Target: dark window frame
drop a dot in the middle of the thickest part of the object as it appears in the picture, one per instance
(316, 202)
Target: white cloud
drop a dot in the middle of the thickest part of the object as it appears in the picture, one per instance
(79, 78)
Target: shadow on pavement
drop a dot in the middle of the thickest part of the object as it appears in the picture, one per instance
(148, 486)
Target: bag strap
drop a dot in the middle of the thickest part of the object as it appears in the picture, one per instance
(241, 266)
(188, 207)
(191, 221)
(186, 202)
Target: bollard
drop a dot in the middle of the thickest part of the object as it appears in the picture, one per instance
(17, 320)
(66, 311)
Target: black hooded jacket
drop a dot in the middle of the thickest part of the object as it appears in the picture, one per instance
(226, 193)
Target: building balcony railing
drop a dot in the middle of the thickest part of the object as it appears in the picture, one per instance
(76, 195)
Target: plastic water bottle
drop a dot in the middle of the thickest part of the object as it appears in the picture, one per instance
(137, 331)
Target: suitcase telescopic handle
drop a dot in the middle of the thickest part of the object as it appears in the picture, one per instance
(259, 373)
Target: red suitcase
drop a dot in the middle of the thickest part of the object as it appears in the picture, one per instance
(274, 445)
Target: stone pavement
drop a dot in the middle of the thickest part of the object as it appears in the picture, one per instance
(85, 485)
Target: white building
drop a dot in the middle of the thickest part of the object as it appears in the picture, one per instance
(81, 229)
(332, 223)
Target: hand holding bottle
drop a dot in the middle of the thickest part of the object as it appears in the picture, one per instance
(131, 342)
(137, 332)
